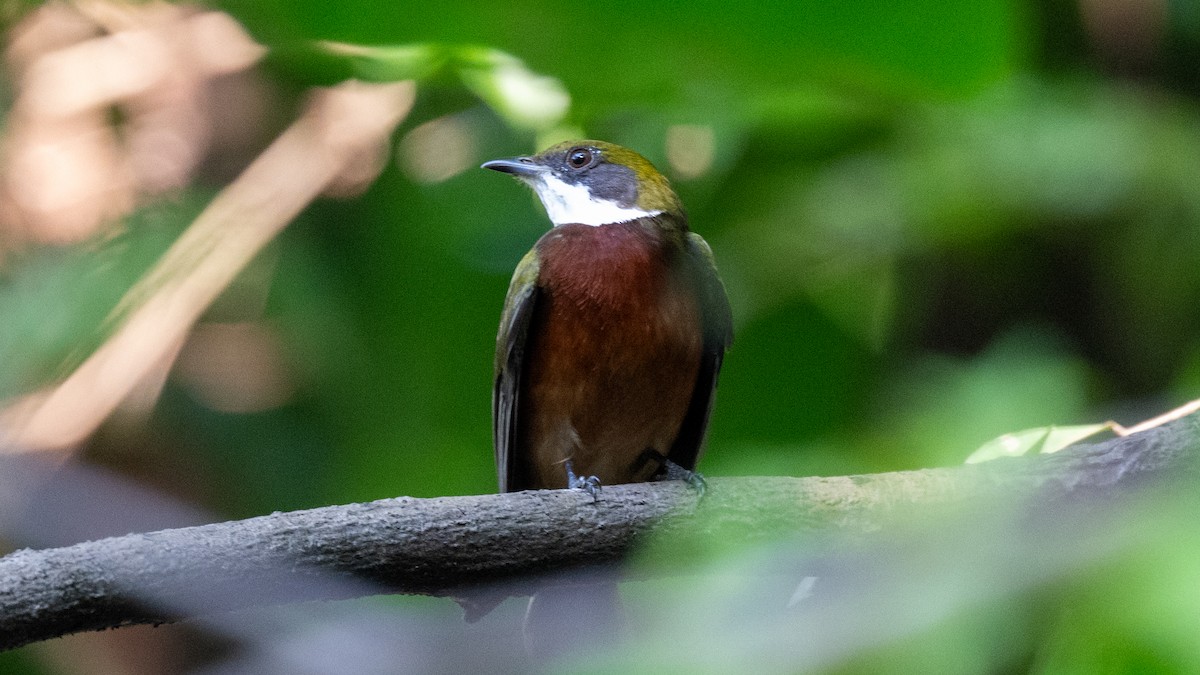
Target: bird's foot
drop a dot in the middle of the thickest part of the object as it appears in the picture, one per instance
(589, 484)
(672, 471)
(668, 470)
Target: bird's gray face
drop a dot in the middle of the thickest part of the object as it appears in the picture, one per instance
(577, 185)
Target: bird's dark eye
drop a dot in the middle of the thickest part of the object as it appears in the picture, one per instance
(578, 158)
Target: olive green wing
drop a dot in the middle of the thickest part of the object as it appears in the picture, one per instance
(519, 306)
(717, 321)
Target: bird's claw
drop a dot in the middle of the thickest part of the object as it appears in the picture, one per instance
(589, 484)
(672, 471)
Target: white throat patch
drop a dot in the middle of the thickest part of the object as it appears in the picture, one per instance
(566, 203)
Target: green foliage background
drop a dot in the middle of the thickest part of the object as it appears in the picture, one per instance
(938, 221)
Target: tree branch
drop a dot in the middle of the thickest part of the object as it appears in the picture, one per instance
(450, 544)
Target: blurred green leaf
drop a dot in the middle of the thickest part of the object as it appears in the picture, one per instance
(390, 63)
(1042, 440)
(933, 414)
(623, 49)
(524, 98)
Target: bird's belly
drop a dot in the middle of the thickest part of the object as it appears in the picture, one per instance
(607, 384)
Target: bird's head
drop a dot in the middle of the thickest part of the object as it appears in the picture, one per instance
(594, 183)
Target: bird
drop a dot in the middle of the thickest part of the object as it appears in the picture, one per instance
(610, 344)
(613, 330)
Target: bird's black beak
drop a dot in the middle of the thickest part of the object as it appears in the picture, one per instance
(517, 166)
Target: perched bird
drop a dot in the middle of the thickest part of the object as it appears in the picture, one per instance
(613, 331)
(610, 343)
